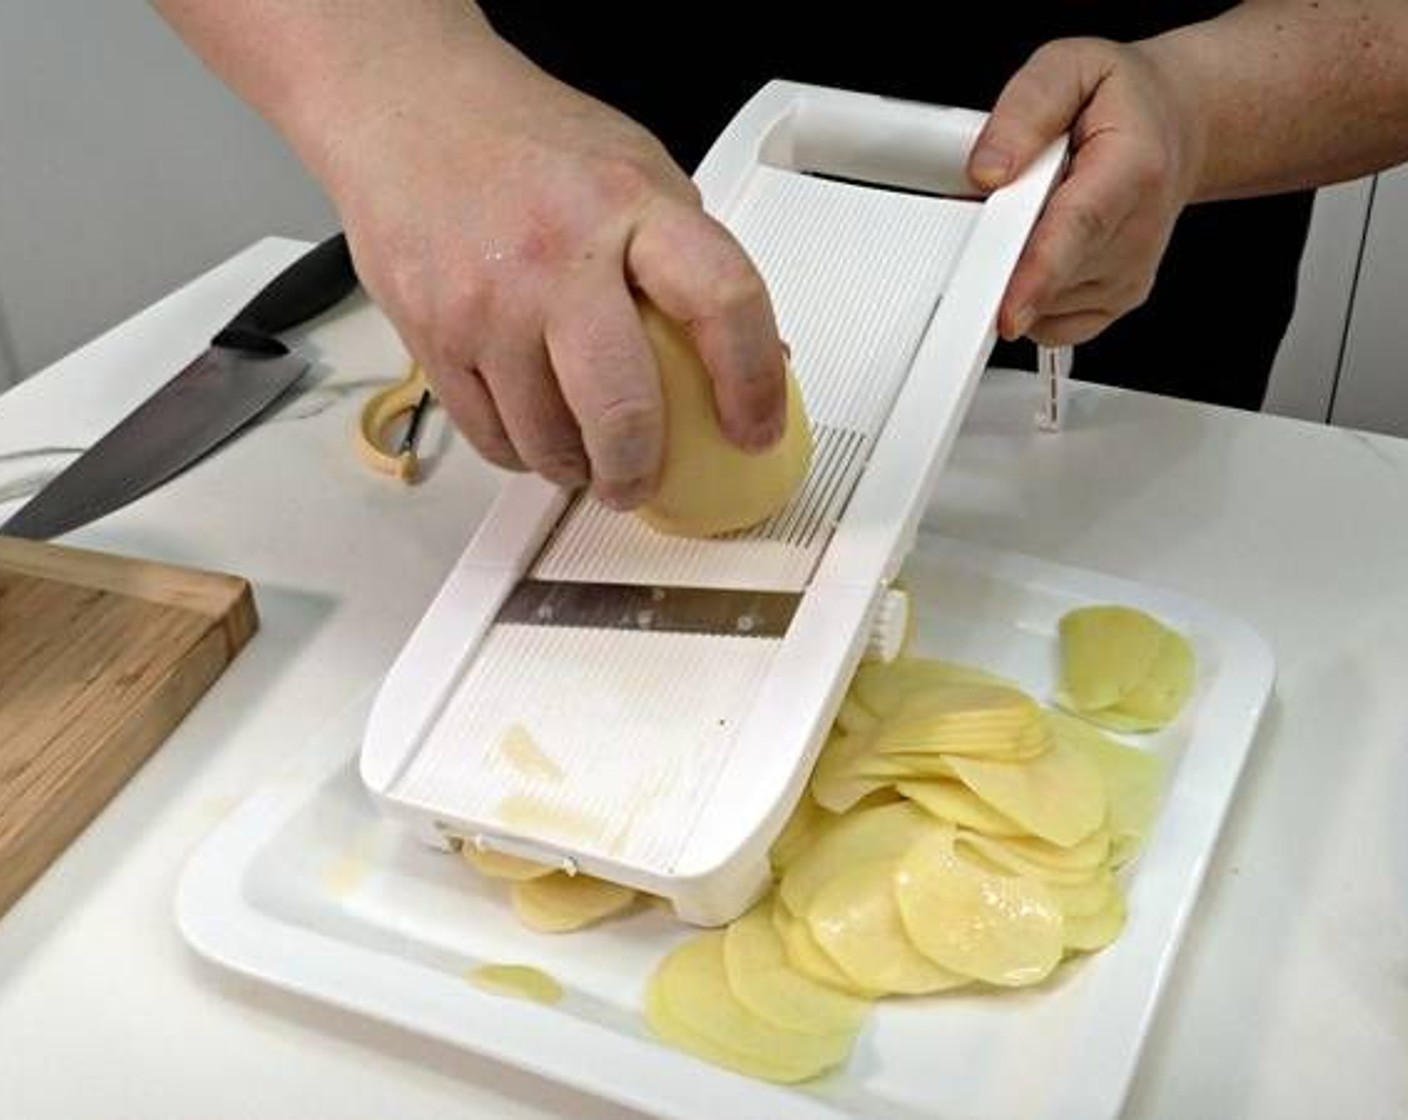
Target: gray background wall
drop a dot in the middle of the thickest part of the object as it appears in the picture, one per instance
(126, 169)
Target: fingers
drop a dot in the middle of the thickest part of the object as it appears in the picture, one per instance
(533, 414)
(1035, 108)
(1083, 234)
(1094, 253)
(467, 401)
(698, 275)
(607, 375)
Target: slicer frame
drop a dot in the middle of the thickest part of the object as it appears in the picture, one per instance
(708, 856)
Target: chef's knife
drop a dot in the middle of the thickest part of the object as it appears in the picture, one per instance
(245, 370)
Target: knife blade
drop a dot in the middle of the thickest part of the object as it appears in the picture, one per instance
(245, 370)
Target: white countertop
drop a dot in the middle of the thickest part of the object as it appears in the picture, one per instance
(1290, 996)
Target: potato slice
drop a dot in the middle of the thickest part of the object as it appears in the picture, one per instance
(764, 981)
(1038, 855)
(807, 957)
(849, 770)
(1156, 700)
(560, 902)
(1087, 933)
(1106, 651)
(707, 485)
(1013, 854)
(1005, 931)
(690, 1005)
(1081, 900)
(854, 718)
(1133, 780)
(909, 764)
(498, 865)
(855, 839)
(952, 801)
(855, 920)
(978, 719)
(519, 981)
(880, 687)
(1058, 795)
(805, 824)
(676, 1034)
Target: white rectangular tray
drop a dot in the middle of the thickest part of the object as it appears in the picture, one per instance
(309, 888)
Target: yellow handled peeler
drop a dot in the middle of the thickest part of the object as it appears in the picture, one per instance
(410, 395)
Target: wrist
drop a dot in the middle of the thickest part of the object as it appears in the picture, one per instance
(365, 91)
(1174, 65)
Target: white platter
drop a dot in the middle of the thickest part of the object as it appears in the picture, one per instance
(306, 887)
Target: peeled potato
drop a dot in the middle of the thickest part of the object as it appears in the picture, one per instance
(707, 485)
(560, 902)
(765, 982)
(856, 921)
(1004, 930)
(690, 1004)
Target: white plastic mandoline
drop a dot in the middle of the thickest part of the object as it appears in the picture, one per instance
(670, 760)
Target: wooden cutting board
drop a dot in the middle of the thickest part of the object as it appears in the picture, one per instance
(100, 657)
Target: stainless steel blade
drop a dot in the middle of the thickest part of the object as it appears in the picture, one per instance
(618, 606)
(188, 417)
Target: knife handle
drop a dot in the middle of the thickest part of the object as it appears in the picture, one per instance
(307, 287)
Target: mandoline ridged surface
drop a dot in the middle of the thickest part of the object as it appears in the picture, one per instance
(636, 726)
(612, 765)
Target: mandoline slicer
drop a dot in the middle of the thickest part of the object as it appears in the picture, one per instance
(593, 695)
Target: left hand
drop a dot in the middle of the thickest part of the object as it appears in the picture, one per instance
(1094, 253)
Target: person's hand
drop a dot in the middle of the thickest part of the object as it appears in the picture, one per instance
(1094, 253)
(505, 222)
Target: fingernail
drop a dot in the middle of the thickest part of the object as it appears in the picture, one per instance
(990, 167)
(763, 435)
(1022, 319)
(625, 496)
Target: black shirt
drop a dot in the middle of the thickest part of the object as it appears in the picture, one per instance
(1226, 286)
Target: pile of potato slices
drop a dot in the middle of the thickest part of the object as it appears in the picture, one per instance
(956, 834)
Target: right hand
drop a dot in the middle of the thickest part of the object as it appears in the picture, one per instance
(503, 222)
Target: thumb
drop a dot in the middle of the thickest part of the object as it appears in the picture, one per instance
(1039, 103)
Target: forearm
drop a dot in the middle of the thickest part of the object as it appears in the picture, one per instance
(1292, 93)
(317, 70)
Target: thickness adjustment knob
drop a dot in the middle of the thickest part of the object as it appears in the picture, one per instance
(888, 627)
